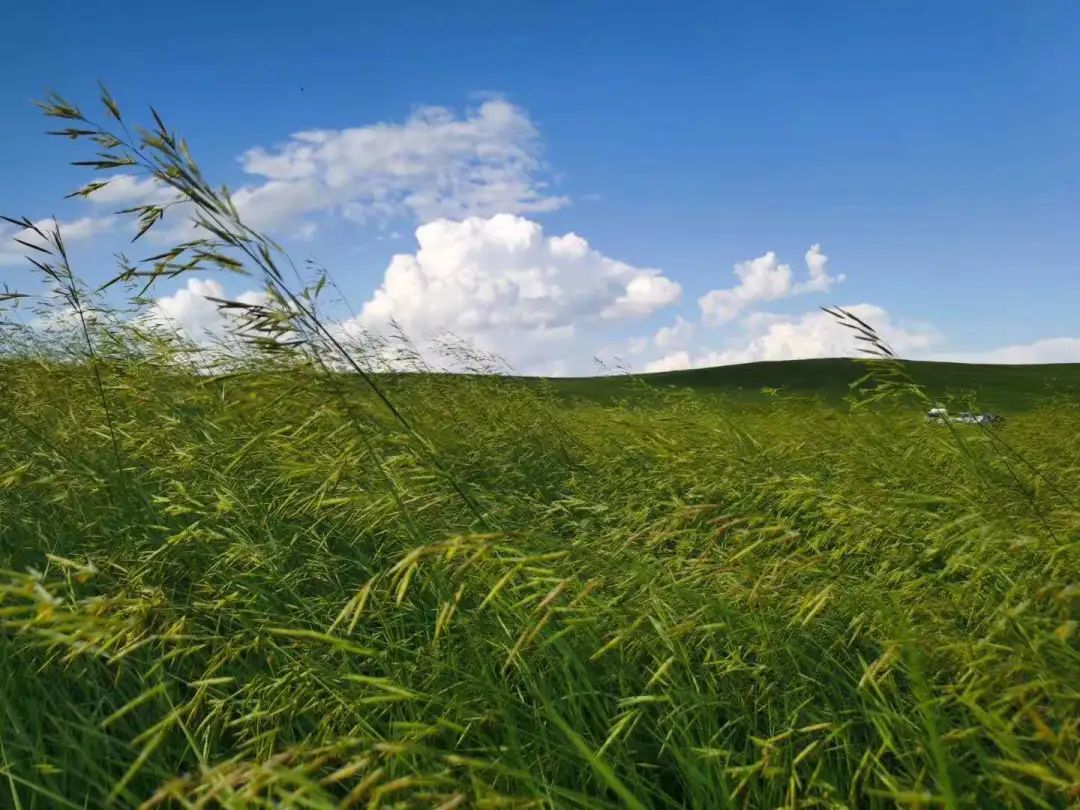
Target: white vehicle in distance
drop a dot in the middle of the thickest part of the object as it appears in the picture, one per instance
(940, 416)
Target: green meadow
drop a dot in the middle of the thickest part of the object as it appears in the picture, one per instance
(1003, 388)
(297, 580)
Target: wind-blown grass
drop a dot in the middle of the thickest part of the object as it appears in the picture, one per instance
(265, 588)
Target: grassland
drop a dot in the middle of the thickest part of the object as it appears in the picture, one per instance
(296, 582)
(1006, 388)
(675, 601)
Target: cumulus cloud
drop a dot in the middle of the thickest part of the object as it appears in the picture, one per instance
(678, 334)
(765, 279)
(436, 164)
(1048, 350)
(189, 311)
(12, 253)
(819, 280)
(129, 189)
(504, 285)
(644, 294)
(493, 310)
(674, 361)
(766, 336)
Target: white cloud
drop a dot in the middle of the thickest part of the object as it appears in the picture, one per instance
(84, 228)
(675, 361)
(12, 253)
(505, 286)
(559, 341)
(1048, 350)
(435, 164)
(678, 334)
(189, 311)
(820, 280)
(766, 336)
(129, 190)
(765, 279)
(644, 294)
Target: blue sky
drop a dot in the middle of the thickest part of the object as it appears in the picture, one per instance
(931, 150)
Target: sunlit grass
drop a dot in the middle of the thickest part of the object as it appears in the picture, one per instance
(680, 604)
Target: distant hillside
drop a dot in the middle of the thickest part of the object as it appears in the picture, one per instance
(1011, 387)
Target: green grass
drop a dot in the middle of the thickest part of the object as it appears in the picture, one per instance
(1007, 388)
(683, 601)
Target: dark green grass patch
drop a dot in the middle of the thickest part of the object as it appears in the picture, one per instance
(1006, 388)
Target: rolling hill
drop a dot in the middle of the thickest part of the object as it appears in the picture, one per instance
(1001, 387)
